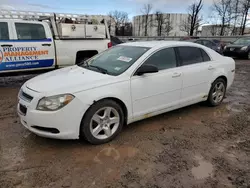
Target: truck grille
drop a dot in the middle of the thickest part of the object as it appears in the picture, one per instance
(22, 109)
(26, 96)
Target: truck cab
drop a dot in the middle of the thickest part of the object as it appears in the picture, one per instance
(49, 42)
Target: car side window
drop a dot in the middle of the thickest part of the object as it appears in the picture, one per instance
(190, 55)
(4, 31)
(208, 44)
(201, 42)
(163, 59)
(205, 56)
(28, 31)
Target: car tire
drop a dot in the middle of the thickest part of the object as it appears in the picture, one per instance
(248, 55)
(217, 92)
(97, 126)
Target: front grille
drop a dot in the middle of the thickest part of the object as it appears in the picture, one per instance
(232, 49)
(26, 96)
(22, 109)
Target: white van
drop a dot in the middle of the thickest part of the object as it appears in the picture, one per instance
(32, 41)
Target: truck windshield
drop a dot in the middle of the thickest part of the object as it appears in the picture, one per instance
(116, 60)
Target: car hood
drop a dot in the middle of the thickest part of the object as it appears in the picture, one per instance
(70, 79)
(236, 45)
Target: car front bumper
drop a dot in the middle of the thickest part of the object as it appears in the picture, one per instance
(237, 53)
(60, 124)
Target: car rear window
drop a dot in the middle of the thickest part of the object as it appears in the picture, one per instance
(205, 56)
(190, 55)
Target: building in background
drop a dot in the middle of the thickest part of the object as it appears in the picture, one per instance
(160, 25)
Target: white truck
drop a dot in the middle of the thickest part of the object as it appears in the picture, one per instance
(36, 41)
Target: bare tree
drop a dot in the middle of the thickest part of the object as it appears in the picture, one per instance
(194, 13)
(245, 7)
(160, 22)
(236, 11)
(139, 31)
(120, 18)
(146, 10)
(163, 23)
(168, 25)
(185, 25)
(223, 8)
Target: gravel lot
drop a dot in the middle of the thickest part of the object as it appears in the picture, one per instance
(197, 146)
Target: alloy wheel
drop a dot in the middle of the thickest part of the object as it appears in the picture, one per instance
(218, 92)
(104, 123)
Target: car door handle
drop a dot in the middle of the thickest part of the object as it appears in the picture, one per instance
(176, 74)
(6, 45)
(46, 44)
(210, 68)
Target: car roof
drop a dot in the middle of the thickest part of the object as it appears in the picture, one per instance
(155, 44)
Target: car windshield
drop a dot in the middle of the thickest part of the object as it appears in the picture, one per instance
(116, 60)
(242, 41)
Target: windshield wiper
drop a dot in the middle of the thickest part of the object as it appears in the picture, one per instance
(102, 70)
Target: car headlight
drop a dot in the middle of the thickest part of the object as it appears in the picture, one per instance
(54, 103)
(225, 47)
(244, 48)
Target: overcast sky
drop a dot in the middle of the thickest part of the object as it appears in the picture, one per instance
(132, 7)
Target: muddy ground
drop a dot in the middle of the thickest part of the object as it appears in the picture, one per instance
(197, 146)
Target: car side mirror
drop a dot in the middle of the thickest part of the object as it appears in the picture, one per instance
(146, 69)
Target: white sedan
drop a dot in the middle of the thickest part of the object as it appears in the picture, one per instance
(124, 84)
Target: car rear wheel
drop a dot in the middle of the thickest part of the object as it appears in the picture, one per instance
(102, 122)
(217, 92)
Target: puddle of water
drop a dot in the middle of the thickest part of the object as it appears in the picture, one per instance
(115, 154)
(204, 170)
(221, 113)
(234, 107)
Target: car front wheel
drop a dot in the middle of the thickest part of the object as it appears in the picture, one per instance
(248, 55)
(102, 122)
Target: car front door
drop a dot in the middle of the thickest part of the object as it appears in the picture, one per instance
(196, 73)
(157, 91)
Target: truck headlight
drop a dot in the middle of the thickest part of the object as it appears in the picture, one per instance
(54, 103)
(244, 48)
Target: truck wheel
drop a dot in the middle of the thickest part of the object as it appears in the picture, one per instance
(217, 92)
(102, 122)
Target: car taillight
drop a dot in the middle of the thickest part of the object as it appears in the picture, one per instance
(109, 45)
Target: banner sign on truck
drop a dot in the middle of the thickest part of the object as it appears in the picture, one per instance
(13, 58)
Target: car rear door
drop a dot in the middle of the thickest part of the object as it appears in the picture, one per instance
(196, 73)
(33, 46)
